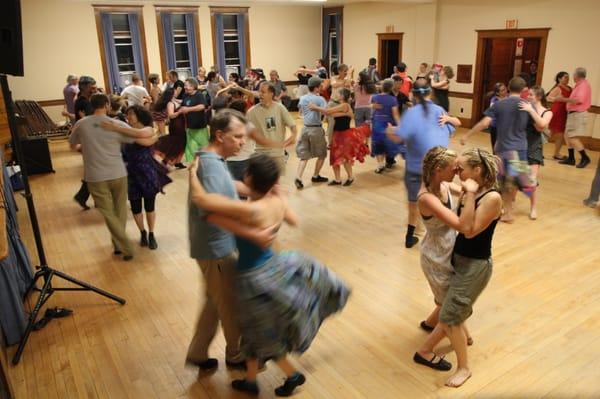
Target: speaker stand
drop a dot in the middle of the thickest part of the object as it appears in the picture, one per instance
(44, 271)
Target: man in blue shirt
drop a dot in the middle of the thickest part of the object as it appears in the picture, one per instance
(214, 248)
(312, 143)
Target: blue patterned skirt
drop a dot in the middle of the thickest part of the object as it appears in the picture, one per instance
(283, 303)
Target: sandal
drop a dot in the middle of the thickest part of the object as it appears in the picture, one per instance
(441, 364)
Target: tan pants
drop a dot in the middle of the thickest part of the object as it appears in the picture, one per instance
(219, 305)
(110, 197)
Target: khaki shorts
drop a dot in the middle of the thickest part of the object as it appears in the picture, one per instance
(312, 143)
(576, 124)
(470, 277)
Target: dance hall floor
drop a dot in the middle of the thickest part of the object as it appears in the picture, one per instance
(536, 327)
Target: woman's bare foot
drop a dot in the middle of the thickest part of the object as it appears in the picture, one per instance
(506, 218)
(533, 214)
(458, 378)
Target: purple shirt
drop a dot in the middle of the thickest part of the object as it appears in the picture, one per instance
(69, 93)
(384, 115)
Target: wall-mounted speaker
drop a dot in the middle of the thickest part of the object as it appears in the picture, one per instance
(11, 38)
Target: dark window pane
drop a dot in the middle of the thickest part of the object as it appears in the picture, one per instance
(182, 64)
(120, 22)
(178, 21)
(124, 54)
(229, 21)
(332, 22)
(334, 45)
(181, 51)
(123, 40)
(232, 50)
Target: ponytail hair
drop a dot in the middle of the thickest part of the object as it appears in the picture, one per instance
(437, 157)
(487, 162)
(421, 91)
(557, 79)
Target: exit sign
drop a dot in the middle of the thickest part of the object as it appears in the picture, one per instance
(512, 23)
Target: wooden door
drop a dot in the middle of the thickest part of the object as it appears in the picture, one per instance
(499, 60)
(389, 52)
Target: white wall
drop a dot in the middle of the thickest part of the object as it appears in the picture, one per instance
(59, 38)
(362, 22)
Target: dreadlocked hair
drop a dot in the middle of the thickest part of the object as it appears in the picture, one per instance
(487, 162)
(437, 157)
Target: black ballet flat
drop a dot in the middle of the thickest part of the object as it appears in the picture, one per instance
(441, 364)
(426, 326)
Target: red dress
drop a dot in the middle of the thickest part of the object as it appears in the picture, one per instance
(559, 112)
(348, 144)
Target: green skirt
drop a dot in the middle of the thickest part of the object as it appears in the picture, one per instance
(470, 277)
(195, 140)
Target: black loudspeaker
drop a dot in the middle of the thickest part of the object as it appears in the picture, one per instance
(11, 38)
(37, 156)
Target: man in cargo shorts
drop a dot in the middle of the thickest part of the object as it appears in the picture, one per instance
(312, 143)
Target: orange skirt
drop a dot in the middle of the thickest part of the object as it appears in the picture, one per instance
(349, 145)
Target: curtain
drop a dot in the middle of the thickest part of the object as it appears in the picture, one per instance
(325, 39)
(110, 53)
(338, 35)
(241, 28)
(220, 43)
(15, 272)
(192, 45)
(167, 26)
(134, 27)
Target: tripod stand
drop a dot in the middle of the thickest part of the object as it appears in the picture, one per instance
(44, 271)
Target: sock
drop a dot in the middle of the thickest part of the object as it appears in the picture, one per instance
(583, 154)
(571, 153)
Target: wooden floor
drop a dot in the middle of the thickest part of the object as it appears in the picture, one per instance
(536, 327)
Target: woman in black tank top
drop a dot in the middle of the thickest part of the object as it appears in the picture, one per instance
(471, 260)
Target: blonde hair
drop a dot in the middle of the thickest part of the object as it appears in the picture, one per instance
(487, 162)
(437, 157)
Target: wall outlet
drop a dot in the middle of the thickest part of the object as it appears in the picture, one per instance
(462, 110)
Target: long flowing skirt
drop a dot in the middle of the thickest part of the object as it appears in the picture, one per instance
(283, 303)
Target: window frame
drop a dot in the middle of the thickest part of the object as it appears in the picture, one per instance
(327, 12)
(98, 10)
(213, 22)
(161, 34)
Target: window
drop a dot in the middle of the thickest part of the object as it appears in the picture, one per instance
(122, 45)
(231, 44)
(332, 35)
(180, 41)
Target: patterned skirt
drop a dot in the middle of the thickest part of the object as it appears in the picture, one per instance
(349, 145)
(283, 303)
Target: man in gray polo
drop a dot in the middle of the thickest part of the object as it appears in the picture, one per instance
(104, 169)
(214, 248)
(312, 143)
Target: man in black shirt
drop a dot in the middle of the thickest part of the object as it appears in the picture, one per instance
(83, 107)
(194, 106)
(175, 83)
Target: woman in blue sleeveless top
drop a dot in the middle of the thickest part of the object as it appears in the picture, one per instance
(283, 297)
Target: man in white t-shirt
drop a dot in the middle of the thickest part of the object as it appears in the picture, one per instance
(136, 93)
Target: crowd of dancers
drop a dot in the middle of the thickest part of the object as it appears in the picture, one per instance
(233, 136)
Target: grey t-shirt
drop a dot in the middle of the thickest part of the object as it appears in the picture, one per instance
(101, 149)
(511, 124)
(208, 241)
